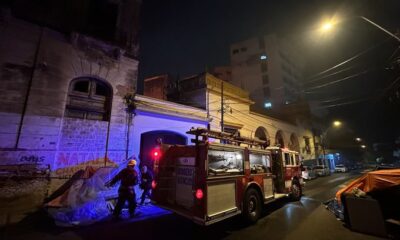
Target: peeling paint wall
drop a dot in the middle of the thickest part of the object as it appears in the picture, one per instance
(37, 66)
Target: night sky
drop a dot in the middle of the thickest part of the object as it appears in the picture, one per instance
(187, 37)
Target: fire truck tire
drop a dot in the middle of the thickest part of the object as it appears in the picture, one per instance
(252, 206)
(295, 191)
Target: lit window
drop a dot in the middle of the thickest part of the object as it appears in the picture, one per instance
(268, 105)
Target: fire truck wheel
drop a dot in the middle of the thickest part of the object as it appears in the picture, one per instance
(296, 192)
(252, 206)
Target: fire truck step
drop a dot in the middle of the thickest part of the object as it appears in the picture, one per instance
(280, 195)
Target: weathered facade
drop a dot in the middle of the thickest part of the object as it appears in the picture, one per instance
(62, 98)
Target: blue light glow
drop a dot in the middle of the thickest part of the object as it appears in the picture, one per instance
(263, 57)
(268, 105)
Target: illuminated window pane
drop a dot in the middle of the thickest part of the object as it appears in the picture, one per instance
(225, 162)
(260, 163)
(268, 105)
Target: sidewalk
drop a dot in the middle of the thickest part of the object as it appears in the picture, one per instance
(40, 226)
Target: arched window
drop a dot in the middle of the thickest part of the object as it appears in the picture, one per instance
(279, 139)
(294, 143)
(262, 134)
(89, 98)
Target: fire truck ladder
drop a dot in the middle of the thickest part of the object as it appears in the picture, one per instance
(226, 137)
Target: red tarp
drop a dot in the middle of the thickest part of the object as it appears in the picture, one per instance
(371, 181)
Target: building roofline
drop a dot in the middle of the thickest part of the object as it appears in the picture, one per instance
(186, 111)
(168, 103)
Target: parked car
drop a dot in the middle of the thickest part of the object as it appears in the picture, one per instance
(308, 173)
(341, 168)
(385, 166)
(321, 170)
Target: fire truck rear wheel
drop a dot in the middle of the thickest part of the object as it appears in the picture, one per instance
(252, 206)
(296, 191)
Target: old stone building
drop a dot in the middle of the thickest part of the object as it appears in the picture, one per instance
(62, 97)
(62, 103)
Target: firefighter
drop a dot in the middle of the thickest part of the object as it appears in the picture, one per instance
(126, 192)
(145, 184)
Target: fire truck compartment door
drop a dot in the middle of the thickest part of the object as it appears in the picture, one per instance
(268, 188)
(221, 198)
(185, 172)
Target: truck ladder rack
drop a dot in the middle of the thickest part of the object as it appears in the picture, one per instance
(229, 137)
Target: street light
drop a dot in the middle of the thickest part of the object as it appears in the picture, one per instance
(328, 26)
(363, 146)
(337, 123)
(358, 139)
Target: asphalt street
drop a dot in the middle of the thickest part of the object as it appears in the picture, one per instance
(305, 219)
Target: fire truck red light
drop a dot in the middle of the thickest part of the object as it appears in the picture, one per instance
(153, 184)
(199, 194)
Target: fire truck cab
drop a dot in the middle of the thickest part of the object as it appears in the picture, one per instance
(209, 182)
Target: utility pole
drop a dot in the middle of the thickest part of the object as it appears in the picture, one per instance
(222, 106)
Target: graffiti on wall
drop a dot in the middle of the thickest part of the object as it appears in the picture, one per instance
(68, 163)
(26, 157)
(36, 159)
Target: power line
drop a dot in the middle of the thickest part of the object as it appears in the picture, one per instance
(248, 129)
(345, 103)
(337, 81)
(254, 119)
(329, 75)
(349, 59)
(385, 90)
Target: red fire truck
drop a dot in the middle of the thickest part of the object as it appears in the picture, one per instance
(208, 182)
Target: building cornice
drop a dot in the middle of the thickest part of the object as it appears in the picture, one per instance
(148, 104)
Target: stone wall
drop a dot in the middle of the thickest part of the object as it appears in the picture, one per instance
(37, 65)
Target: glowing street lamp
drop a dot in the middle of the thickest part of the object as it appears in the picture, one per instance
(363, 146)
(337, 123)
(328, 26)
(358, 139)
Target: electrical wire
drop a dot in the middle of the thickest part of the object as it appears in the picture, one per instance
(337, 81)
(245, 128)
(346, 103)
(255, 119)
(349, 59)
(329, 75)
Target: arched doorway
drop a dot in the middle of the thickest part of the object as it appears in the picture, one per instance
(148, 141)
(294, 143)
(279, 139)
